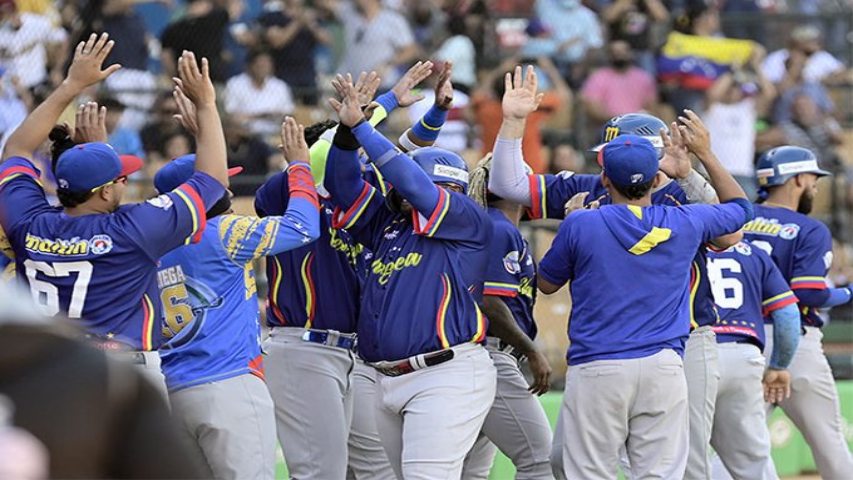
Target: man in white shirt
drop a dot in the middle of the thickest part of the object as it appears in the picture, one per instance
(24, 42)
(805, 55)
(257, 97)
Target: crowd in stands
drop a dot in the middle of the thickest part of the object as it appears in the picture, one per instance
(597, 59)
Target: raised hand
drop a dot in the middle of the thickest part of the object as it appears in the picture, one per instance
(694, 133)
(415, 75)
(676, 158)
(187, 115)
(575, 203)
(293, 145)
(88, 59)
(90, 123)
(521, 97)
(195, 82)
(348, 108)
(366, 87)
(777, 385)
(444, 89)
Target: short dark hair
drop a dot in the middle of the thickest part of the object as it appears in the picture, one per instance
(254, 54)
(315, 130)
(634, 192)
(70, 199)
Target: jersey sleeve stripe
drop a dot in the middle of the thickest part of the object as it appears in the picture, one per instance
(346, 219)
(308, 281)
(817, 283)
(537, 196)
(380, 180)
(694, 287)
(147, 323)
(481, 326)
(441, 316)
(778, 302)
(16, 171)
(650, 240)
(500, 292)
(437, 216)
(196, 207)
(276, 283)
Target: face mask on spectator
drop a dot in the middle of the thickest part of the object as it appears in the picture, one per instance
(620, 63)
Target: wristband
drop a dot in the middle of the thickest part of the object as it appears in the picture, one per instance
(406, 143)
(388, 101)
(428, 128)
(344, 139)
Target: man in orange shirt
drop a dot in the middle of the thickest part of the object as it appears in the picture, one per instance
(486, 105)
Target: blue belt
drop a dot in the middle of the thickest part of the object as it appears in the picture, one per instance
(332, 338)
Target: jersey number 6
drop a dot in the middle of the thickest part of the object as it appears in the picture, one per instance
(728, 292)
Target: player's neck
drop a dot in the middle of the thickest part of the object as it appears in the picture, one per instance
(512, 211)
(81, 210)
(782, 201)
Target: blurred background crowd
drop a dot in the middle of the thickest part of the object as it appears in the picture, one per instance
(761, 73)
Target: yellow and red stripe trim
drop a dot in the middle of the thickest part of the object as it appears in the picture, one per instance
(538, 207)
(441, 316)
(14, 172)
(276, 285)
(436, 218)
(346, 219)
(777, 302)
(694, 287)
(500, 289)
(196, 207)
(817, 283)
(308, 282)
(481, 326)
(147, 323)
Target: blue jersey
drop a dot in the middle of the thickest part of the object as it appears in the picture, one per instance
(314, 286)
(747, 286)
(511, 273)
(425, 276)
(549, 194)
(100, 269)
(799, 245)
(628, 268)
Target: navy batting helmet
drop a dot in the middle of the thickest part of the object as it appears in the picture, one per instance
(639, 124)
(442, 166)
(779, 164)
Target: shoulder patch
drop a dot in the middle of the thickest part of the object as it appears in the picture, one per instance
(163, 201)
(511, 262)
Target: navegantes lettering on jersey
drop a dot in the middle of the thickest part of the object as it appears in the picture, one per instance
(385, 269)
(351, 250)
(525, 287)
(772, 228)
(74, 247)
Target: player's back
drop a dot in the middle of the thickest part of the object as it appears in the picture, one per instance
(643, 257)
(210, 308)
(92, 268)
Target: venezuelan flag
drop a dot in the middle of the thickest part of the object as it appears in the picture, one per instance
(694, 62)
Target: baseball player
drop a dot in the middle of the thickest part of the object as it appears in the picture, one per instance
(212, 362)
(322, 305)
(548, 195)
(625, 385)
(802, 249)
(419, 324)
(747, 286)
(93, 260)
(516, 422)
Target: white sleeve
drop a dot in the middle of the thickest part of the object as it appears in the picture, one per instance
(697, 189)
(508, 178)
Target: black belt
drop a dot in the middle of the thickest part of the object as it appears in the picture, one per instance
(417, 362)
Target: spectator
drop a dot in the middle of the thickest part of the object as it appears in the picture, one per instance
(134, 85)
(815, 91)
(427, 22)
(734, 105)
(26, 40)
(202, 31)
(161, 123)
(619, 88)
(633, 21)
(808, 128)
(257, 97)
(250, 152)
(486, 105)
(565, 158)
(124, 140)
(459, 49)
(804, 61)
(576, 31)
(15, 104)
(376, 39)
(293, 33)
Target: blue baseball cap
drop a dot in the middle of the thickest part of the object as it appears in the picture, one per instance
(89, 166)
(629, 160)
(178, 171)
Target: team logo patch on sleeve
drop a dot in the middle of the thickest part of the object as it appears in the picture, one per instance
(511, 263)
(163, 201)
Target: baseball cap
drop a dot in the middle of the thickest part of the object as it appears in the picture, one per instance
(629, 160)
(805, 33)
(88, 166)
(178, 171)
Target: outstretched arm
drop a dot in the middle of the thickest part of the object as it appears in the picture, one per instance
(85, 70)
(508, 178)
(425, 132)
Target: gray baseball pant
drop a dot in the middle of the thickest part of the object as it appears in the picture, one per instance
(703, 376)
(429, 419)
(478, 463)
(813, 405)
(311, 385)
(231, 422)
(516, 424)
(367, 458)
(740, 436)
(639, 403)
